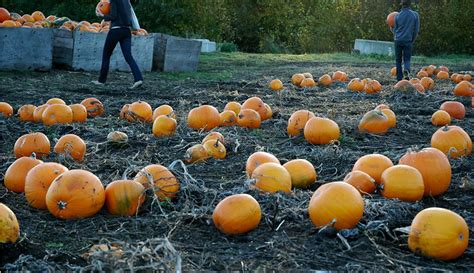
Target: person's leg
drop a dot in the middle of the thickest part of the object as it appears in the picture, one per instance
(126, 46)
(109, 46)
(407, 56)
(398, 59)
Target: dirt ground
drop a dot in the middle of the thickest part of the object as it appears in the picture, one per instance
(181, 235)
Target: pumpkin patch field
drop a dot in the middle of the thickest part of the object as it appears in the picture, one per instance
(256, 162)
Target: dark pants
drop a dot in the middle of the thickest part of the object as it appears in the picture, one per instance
(124, 37)
(403, 51)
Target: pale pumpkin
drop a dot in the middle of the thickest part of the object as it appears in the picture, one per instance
(195, 154)
(38, 180)
(374, 122)
(276, 85)
(237, 214)
(402, 182)
(272, 177)
(9, 227)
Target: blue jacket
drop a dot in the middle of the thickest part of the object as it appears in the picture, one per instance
(407, 25)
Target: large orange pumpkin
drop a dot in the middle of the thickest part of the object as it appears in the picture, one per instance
(124, 197)
(9, 227)
(228, 118)
(164, 109)
(103, 7)
(373, 165)
(55, 101)
(452, 141)
(276, 85)
(196, 153)
(438, 233)
(464, 89)
(391, 19)
(297, 122)
(249, 118)
(321, 131)
(442, 75)
(455, 109)
(160, 179)
(26, 112)
(340, 76)
(421, 74)
(402, 182)
(361, 181)
(75, 194)
(237, 214)
(164, 126)
(255, 103)
(38, 16)
(233, 106)
(79, 113)
(272, 177)
(38, 180)
(427, 83)
(374, 122)
(204, 117)
(392, 118)
(15, 175)
(440, 118)
(433, 165)
(338, 204)
(356, 85)
(28, 144)
(257, 159)
(71, 145)
(6, 109)
(140, 111)
(57, 114)
(302, 173)
(94, 107)
(4, 15)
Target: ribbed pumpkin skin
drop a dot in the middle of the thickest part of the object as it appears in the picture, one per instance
(75, 194)
(166, 186)
(28, 144)
(402, 182)
(427, 83)
(16, 173)
(38, 180)
(356, 85)
(434, 166)
(123, 197)
(297, 121)
(72, 146)
(339, 201)
(438, 233)
(440, 118)
(452, 141)
(296, 79)
(302, 173)
(257, 159)
(9, 227)
(272, 177)
(237, 214)
(361, 181)
(320, 131)
(373, 165)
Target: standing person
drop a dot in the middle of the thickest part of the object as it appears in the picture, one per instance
(120, 17)
(405, 30)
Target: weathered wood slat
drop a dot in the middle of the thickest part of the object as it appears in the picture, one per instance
(175, 54)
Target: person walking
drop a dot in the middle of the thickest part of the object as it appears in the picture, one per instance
(405, 30)
(120, 18)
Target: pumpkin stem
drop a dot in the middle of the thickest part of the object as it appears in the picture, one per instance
(33, 155)
(62, 205)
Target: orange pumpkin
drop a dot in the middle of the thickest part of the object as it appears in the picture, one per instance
(454, 77)
(196, 153)
(372, 87)
(308, 83)
(233, 106)
(94, 107)
(38, 113)
(452, 141)
(15, 175)
(427, 83)
(38, 180)
(71, 145)
(402, 182)
(103, 7)
(340, 76)
(392, 118)
(276, 85)
(9, 227)
(26, 112)
(237, 214)
(38, 16)
(296, 79)
(160, 179)
(382, 106)
(57, 114)
(404, 86)
(55, 101)
(356, 85)
(28, 144)
(6, 109)
(464, 89)
(443, 68)
(361, 181)
(75, 194)
(319, 131)
(422, 74)
(438, 233)
(165, 110)
(455, 109)
(257, 159)
(338, 204)
(374, 122)
(255, 103)
(164, 126)
(459, 78)
(297, 122)
(415, 81)
(228, 118)
(28, 18)
(391, 19)
(442, 75)
(440, 118)
(124, 197)
(429, 70)
(325, 80)
(434, 167)
(215, 149)
(419, 87)
(302, 173)
(79, 113)
(467, 77)
(268, 112)
(249, 118)
(204, 117)
(393, 72)
(373, 165)
(140, 111)
(272, 177)
(4, 15)
(124, 112)
(214, 136)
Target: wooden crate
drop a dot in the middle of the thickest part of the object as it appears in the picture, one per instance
(83, 51)
(175, 54)
(26, 49)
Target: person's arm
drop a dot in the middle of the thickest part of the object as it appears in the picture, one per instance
(113, 14)
(417, 27)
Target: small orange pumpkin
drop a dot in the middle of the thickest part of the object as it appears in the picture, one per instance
(467, 77)
(15, 175)
(356, 85)
(237, 214)
(427, 83)
(38, 180)
(372, 87)
(204, 117)
(325, 80)
(402, 182)
(215, 149)
(340, 76)
(442, 75)
(257, 159)
(361, 181)
(255, 103)
(164, 126)
(452, 141)
(28, 144)
(38, 16)
(297, 121)
(336, 203)
(79, 113)
(228, 118)
(296, 79)
(429, 70)
(391, 20)
(373, 165)
(6, 109)
(464, 89)
(164, 109)
(422, 74)
(272, 177)
(249, 118)
(455, 109)
(196, 154)
(276, 85)
(124, 197)
(160, 179)
(374, 122)
(438, 233)
(233, 106)
(38, 113)
(57, 114)
(302, 173)
(320, 131)
(308, 83)
(419, 87)
(214, 136)
(26, 112)
(140, 111)
(94, 107)
(71, 145)
(440, 118)
(393, 72)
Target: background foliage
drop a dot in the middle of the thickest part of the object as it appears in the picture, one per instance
(284, 26)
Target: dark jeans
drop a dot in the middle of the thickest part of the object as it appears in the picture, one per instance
(124, 37)
(403, 51)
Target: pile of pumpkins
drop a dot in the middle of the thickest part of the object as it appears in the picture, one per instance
(212, 146)
(367, 86)
(163, 117)
(306, 80)
(38, 20)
